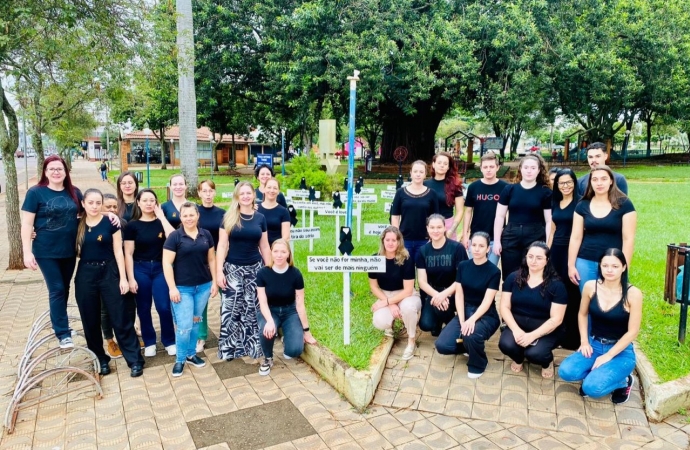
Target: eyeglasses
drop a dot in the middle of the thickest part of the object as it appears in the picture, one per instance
(55, 169)
(566, 183)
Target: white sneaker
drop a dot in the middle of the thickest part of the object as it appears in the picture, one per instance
(171, 349)
(150, 351)
(472, 376)
(286, 356)
(408, 354)
(200, 345)
(388, 332)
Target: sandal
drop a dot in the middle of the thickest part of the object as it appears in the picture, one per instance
(515, 367)
(547, 372)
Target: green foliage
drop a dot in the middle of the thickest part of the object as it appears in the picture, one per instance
(309, 167)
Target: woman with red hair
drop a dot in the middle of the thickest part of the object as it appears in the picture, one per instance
(51, 209)
(447, 186)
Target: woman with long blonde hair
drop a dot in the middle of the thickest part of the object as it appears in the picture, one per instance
(394, 289)
(242, 251)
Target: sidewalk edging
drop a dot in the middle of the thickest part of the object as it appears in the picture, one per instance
(661, 400)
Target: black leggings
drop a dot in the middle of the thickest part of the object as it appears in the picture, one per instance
(515, 239)
(541, 353)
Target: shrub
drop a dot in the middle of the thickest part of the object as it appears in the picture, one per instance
(309, 167)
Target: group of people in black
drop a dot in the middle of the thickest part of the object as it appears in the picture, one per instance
(564, 247)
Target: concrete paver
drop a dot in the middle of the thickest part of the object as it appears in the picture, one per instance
(427, 402)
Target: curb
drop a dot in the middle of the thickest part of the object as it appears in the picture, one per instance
(358, 386)
(661, 400)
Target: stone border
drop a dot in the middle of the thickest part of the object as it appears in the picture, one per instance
(661, 399)
(358, 386)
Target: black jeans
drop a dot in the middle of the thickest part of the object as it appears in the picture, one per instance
(515, 239)
(432, 319)
(100, 282)
(58, 274)
(131, 308)
(541, 353)
(473, 345)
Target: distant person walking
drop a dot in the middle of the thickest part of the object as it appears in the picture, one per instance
(104, 171)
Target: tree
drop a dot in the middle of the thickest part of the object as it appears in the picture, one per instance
(186, 94)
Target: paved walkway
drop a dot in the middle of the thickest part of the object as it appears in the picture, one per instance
(427, 402)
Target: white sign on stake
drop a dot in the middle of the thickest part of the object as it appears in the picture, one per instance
(310, 206)
(388, 194)
(303, 193)
(387, 207)
(346, 264)
(374, 229)
(336, 212)
(360, 198)
(303, 234)
(366, 191)
(391, 187)
(227, 194)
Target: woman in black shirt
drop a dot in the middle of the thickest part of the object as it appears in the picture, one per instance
(277, 216)
(242, 251)
(411, 207)
(211, 220)
(188, 257)
(127, 190)
(614, 309)
(394, 290)
(532, 306)
(144, 238)
(178, 193)
(264, 173)
(565, 198)
(437, 264)
(101, 282)
(447, 186)
(477, 283)
(280, 288)
(528, 203)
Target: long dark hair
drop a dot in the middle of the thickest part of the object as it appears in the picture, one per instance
(453, 183)
(542, 176)
(557, 195)
(66, 183)
(81, 229)
(549, 275)
(136, 214)
(616, 196)
(121, 205)
(617, 253)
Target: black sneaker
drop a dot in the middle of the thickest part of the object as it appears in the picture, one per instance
(265, 367)
(105, 368)
(622, 395)
(178, 368)
(582, 393)
(196, 361)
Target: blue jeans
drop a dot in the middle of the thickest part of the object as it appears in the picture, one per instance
(588, 270)
(104, 175)
(149, 277)
(604, 379)
(293, 334)
(188, 316)
(58, 274)
(413, 247)
(492, 257)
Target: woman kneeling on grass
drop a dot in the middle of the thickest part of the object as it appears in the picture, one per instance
(477, 320)
(280, 288)
(533, 305)
(394, 289)
(606, 360)
(188, 256)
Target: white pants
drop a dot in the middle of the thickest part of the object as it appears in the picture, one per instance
(410, 308)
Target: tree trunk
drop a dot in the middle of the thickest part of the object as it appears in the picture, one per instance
(186, 97)
(417, 133)
(162, 141)
(37, 129)
(9, 140)
(648, 122)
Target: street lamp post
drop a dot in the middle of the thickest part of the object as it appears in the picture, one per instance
(147, 131)
(212, 142)
(282, 145)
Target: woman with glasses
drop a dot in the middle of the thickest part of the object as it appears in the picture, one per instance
(532, 306)
(211, 220)
(171, 208)
(51, 209)
(127, 190)
(564, 200)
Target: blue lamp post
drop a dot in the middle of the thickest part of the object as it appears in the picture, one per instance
(147, 130)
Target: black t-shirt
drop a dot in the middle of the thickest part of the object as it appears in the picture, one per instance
(171, 214)
(129, 210)
(280, 199)
(476, 280)
(148, 238)
(191, 256)
(392, 279)
(244, 242)
(413, 211)
(439, 188)
(483, 198)
(280, 287)
(526, 206)
(211, 220)
(530, 302)
(441, 264)
(563, 219)
(601, 233)
(98, 242)
(55, 222)
(275, 217)
(103, 167)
